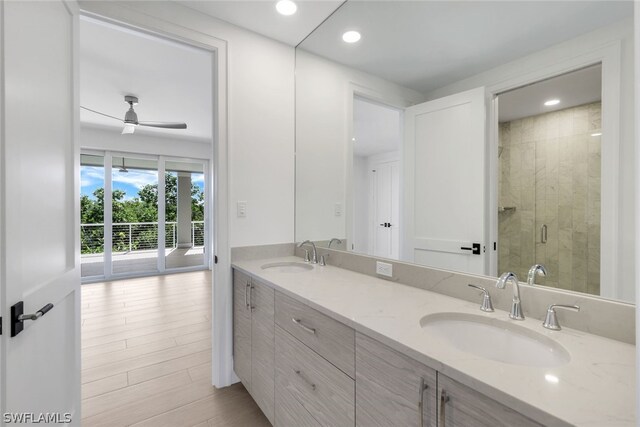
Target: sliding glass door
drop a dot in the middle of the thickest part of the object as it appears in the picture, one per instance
(128, 213)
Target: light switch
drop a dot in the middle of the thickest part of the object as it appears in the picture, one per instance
(337, 209)
(242, 209)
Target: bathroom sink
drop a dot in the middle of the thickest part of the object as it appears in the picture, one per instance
(287, 267)
(502, 341)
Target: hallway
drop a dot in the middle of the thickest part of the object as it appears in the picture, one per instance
(146, 356)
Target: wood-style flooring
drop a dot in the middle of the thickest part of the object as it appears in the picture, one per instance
(146, 356)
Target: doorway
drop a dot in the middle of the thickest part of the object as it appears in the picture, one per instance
(376, 145)
(145, 200)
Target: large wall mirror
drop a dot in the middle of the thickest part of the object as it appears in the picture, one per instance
(479, 137)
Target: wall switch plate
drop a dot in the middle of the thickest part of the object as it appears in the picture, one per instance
(242, 209)
(337, 209)
(384, 269)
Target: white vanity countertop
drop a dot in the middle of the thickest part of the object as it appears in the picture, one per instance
(596, 388)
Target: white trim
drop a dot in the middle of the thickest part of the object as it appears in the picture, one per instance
(609, 56)
(107, 215)
(162, 214)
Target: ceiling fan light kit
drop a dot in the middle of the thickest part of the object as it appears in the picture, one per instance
(131, 118)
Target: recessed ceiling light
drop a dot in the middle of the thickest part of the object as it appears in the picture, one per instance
(353, 139)
(286, 7)
(596, 134)
(351, 36)
(551, 102)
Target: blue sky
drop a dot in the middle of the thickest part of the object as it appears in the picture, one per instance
(92, 178)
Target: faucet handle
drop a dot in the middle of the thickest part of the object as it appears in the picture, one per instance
(487, 305)
(323, 260)
(306, 256)
(551, 320)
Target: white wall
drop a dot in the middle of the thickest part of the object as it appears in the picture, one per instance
(260, 118)
(623, 32)
(324, 99)
(98, 138)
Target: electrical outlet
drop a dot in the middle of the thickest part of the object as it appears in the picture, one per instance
(337, 209)
(384, 269)
(242, 209)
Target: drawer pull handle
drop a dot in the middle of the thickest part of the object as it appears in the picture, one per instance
(312, 385)
(306, 328)
(246, 292)
(423, 387)
(444, 398)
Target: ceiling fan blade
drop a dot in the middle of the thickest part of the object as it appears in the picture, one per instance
(102, 114)
(164, 125)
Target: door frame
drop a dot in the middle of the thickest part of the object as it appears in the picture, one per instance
(222, 316)
(609, 56)
(371, 95)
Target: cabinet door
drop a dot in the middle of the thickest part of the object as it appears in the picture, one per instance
(460, 406)
(392, 389)
(242, 327)
(262, 347)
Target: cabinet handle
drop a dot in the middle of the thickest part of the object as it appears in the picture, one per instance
(251, 306)
(312, 385)
(423, 387)
(306, 328)
(444, 398)
(246, 291)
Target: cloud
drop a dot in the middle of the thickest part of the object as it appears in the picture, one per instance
(135, 178)
(197, 177)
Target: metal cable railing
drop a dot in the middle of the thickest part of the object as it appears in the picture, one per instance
(135, 236)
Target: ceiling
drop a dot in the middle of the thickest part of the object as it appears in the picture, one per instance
(376, 128)
(425, 45)
(572, 89)
(262, 17)
(173, 81)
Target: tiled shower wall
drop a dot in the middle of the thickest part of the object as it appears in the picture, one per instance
(549, 171)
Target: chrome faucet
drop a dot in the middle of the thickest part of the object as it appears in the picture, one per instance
(551, 320)
(486, 298)
(314, 258)
(536, 269)
(335, 239)
(516, 306)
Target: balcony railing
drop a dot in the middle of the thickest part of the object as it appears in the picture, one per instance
(135, 236)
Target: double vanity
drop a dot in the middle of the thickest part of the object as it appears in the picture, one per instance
(325, 346)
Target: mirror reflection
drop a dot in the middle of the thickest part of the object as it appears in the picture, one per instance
(497, 148)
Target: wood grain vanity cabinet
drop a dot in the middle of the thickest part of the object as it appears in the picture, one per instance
(253, 339)
(461, 406)
(391, 388)
(306, 369)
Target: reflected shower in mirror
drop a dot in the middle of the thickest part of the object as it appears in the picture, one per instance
(549, 159)
(473, 136)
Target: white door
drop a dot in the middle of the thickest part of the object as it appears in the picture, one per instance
(444, 182)
(39, 237)
(386, 208)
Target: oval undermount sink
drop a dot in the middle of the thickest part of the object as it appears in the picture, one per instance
(287, 267)
(495, 339)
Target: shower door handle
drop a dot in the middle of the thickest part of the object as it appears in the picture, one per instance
(543, 233)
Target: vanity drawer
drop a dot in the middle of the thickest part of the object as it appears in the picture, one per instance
(329, 338)
(323, 390)
(290, 412)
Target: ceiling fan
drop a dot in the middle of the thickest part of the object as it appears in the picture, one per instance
(131, 118)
